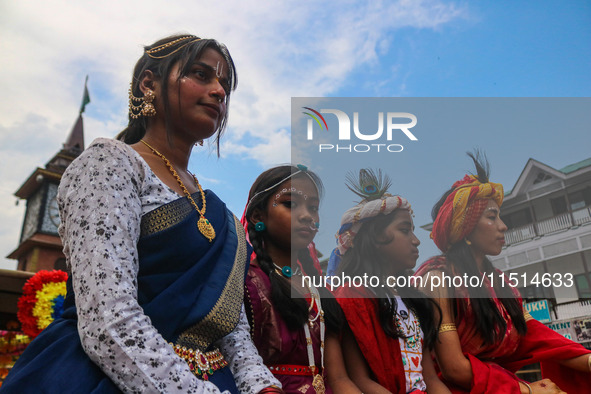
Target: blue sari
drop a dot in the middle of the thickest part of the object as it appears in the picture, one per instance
(191, 289)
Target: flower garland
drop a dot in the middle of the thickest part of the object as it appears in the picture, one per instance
(42, 301)
(12, 344)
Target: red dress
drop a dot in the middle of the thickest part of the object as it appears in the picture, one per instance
(381, 351)
(494, 366)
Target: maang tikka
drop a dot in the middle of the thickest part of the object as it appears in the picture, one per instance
(144, 107)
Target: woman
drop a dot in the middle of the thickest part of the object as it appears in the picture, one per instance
(155, 299)
(485, 336)
(386, 346)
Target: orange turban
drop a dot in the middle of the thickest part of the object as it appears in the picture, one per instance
(461, 210)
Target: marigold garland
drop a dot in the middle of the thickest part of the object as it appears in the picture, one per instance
(42, 301)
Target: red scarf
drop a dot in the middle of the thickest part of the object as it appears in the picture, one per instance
(381, 352)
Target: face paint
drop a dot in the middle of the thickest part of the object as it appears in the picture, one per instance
(219, 68)
(291, 190)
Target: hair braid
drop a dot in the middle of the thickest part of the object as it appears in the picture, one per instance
(293, 310)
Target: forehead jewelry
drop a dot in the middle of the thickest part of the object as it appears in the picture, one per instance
(301, 169)
(203, 224)
(152, 52)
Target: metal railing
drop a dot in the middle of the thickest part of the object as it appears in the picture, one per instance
(570, 310)
(559, 222)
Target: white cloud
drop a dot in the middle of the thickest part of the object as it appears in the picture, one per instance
(284, 49)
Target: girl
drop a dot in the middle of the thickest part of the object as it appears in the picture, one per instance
(155, 300)
(281, 218)
(386, 346)
(485, 336)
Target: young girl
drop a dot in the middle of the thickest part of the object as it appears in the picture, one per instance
(282, 219)
(386, 346)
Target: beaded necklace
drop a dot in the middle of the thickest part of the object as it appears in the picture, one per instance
(203, 224)
(318, 380)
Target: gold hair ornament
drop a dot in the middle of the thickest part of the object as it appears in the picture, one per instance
(152, 51)
(144, 107)
(203, 224)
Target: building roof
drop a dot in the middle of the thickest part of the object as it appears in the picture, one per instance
(576, 166)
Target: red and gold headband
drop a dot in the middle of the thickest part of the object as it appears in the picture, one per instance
(461, 210)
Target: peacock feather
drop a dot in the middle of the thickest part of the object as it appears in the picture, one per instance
(370, 185)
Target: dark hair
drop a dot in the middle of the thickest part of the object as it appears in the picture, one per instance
(361, 259)
(459, 256)
(294, 311)
(184, 52)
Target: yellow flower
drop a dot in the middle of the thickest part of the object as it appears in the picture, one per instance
(44, 306)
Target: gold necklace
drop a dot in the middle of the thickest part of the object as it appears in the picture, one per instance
(203, 224)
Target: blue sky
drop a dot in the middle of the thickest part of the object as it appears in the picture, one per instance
(292, 49)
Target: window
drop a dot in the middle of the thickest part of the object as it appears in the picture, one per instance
(535, 292)
(558, 205)
(517, 219)
(583, 283)
(542, 176)
(580, 199)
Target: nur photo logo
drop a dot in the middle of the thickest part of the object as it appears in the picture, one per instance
(390, 125)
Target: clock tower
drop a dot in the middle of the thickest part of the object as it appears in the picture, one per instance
(40, 246)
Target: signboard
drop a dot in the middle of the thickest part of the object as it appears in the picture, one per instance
(539, 310)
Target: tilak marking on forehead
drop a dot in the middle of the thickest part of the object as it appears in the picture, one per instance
(219, 69)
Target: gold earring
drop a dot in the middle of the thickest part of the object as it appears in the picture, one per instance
(148, 109)
(467, 241)
(144, 106)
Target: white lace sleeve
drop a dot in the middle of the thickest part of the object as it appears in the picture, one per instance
(100, 207)
(250, 373)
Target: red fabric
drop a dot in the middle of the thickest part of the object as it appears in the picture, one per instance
(381, 352)
(540, 344)
(553, 348)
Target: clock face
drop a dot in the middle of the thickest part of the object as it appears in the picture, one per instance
(31, 224)
(54, 212)
(51, 214)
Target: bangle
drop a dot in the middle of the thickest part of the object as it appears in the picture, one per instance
(528, 386)
(447, 327)
(527, 316)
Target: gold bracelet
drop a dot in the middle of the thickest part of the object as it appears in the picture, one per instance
(527, 316)
(589, 362)
(528, 386)
(447, 327)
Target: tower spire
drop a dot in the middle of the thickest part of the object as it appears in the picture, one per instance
(75, 141)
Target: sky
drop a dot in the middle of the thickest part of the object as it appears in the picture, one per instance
(291, 49)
